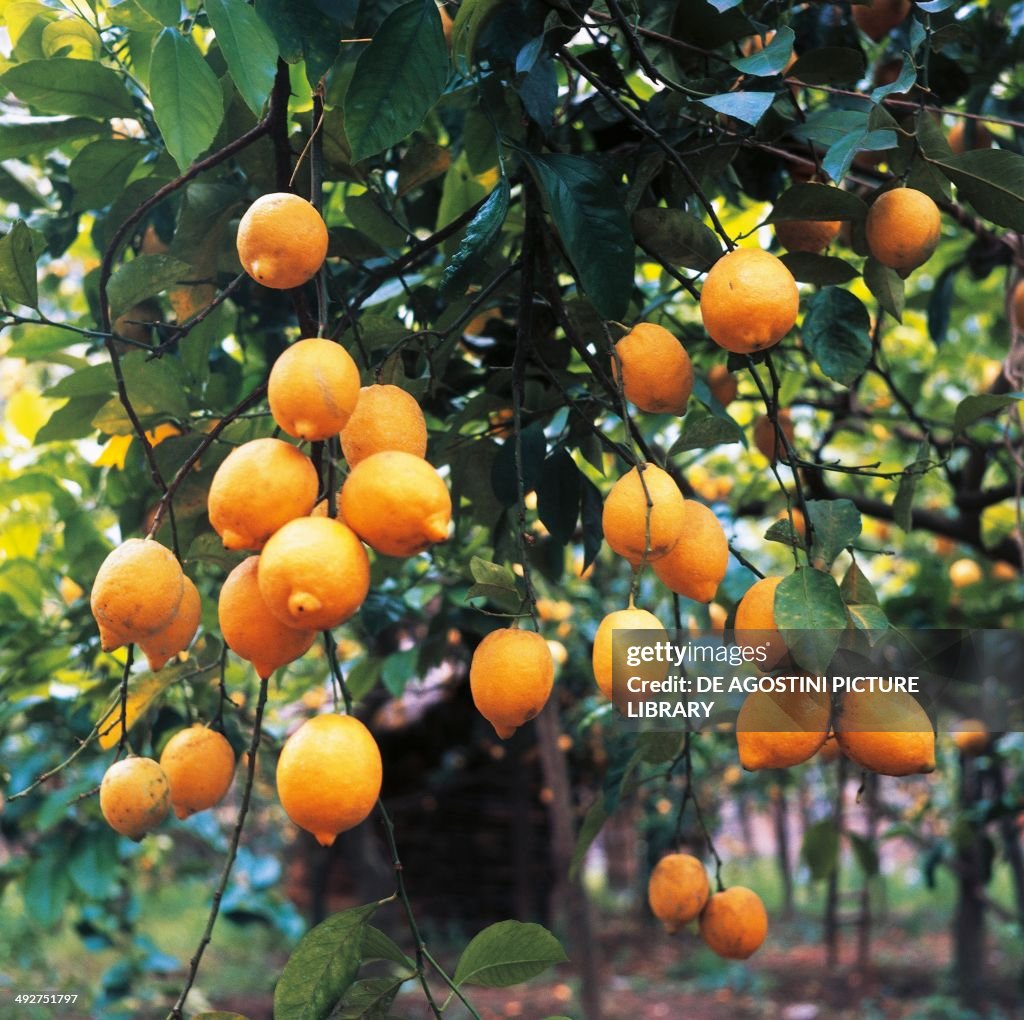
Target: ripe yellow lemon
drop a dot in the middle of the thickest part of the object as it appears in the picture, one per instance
(397, 503)
(971, 737)
(677, 890)
(167, 642)
(282, 241)
(260, 485)
(656, 372)
(755, 620)
(134, 796)
(780, 729)
(386, 418)
(749, 301)
(602, 657)
(313, 389)
(965, 572)
(734, 923)
(722, 384)
(510, 678)
(903, 228)
(314, 573)
(695, 566)
(625, 515)
(957, 137)
(199, 764)
(137, 591)
(889, 733)
(807, 235)
(250, 629)
(329, 775)
(767, 439)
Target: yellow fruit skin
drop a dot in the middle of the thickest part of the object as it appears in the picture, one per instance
(397, 503)
(251, 630)
(329, 775)
(624, 518)
(282, 241)
(722, 384)
(734, 923)
(137, 591)
(657, 374)
(964, 573)
(199, 764)
(386, 418)
(957, 137)
(749, 301)
(314, 573)
(755, 619)
(767, 440)
(971, 737)
(779, 730)
(812, 236)
(829, 751)
(678, 890)
(313, 389)
(903, 228)
(886, 733)
(695, 566)
(178, 634)
(134, 796)
(510, 678)
(602, 658)
(260, 486)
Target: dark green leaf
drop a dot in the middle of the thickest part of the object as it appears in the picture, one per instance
(141, 278)
(887, 286)
(590, 216)
(100, 171)
(593, 822)
(838, 159)
(903, 504)
(703, 431)
(810, 613)
(821, 270)
(533, 447)
(304, 31)
(82, 88)
(397, 80)
(856, 589)
(821, 848)
(940, 302)
(863, 850)
(818, 202)
(187, 100)
(591, 508)
(835, 331)
(370, 999)
(558, 495)
(835, 524)
(248, 46)
(748, 107)
(508, 953)
(772, 59)
(379, 946)
(783, 531)
(904, 80)
(470, 20)
(829, 65)
(990, 179)
(480, 235)
(18, 266)
(93, 864)
(363, 677)
(676, 237)
(72, 421)
(46, 887)
(657, 746)
(322, 967)
(981, 405)
(21, 139)
(398, 669)
(38, 342)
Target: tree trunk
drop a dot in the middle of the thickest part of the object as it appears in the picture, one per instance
(969, 919)
(782, 855)
(569, 900)
(870, 837)
(831, 921)
(1010, 835)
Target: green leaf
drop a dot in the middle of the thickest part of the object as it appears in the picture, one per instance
(657, 746)
(145, 15)
(835, 331)
(835, 525)
(508, 953)
(93, 863)
(188, 103)
(904, 80)
(772, 59)
(485, 572)
(371, 999)
(856, 589)
(811, 615)
(821, 848)
(71, 37)
(72, 421)
(591, 509)
(981, 405)
(305, 30)
(141, 278)
(703, 431)
(249, 47)
(378, 946)
(593, 822)
(837, 161)
(748, 107)
(18, 266)
(818, 202)
(887, 286)
(903, 504)
(588, 211)
(533, 448)
(940, 302)
(46, 886)
(990, 179)
(558, 495)
(397, 80)
(100, 171)
(483, 230)
(676, 237)
(496, 583)
(821, 270)
(863, 850)
(219, 1014)
(322, 967)
(20, 139)
(81, 88)
(470, 20)
(829, 65)
(398, 669)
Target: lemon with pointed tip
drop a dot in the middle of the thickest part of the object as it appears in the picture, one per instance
(199, 764)
(657, 374)
(779, 729)
(329, 775)
(696, 565)
(510, 677)
(625, 522)
(886, 732)
(755, 624)
(134, 796)
(169, 641)
(282, 240)
(602, 655)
